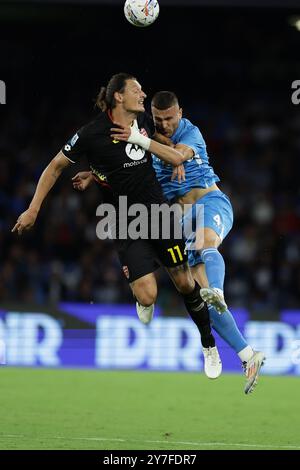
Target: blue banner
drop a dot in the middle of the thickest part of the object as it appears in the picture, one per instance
(112, 337)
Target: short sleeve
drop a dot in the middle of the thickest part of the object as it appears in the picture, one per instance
(75, 148)
(193, 138)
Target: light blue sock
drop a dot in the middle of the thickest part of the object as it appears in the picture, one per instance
(214, 267)
(226, 327)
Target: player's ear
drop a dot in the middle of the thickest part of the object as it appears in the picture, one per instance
(180, 113)
(118, 97)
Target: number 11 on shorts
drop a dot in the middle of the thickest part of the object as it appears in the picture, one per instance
(172, 251)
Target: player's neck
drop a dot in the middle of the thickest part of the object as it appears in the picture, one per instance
(123, 117)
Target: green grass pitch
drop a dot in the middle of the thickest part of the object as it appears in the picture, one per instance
(86, 409)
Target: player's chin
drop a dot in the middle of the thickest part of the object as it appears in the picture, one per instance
(141, 108)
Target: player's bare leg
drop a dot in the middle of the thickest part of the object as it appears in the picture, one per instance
(145, 291)
(185, 284)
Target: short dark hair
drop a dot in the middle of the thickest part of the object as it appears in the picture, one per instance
(105, 99)
(164, 100)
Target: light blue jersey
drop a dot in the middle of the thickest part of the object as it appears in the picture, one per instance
(198, 172)
(218, 214)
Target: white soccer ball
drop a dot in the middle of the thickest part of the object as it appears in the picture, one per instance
(141, 13)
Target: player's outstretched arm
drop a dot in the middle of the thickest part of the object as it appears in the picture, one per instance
(132, 135)
(47, 179)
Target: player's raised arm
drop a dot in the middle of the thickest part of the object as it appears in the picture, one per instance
(47, 179)
(132, 135)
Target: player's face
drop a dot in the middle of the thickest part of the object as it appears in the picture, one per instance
(133, 97)
(167, 120)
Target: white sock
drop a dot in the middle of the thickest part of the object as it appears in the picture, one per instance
(245, 354)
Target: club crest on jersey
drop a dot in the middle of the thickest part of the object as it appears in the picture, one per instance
(134, 152)
(144, 132)
(126, 271)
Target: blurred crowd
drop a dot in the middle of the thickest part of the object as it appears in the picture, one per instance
(253, 143)
(256, 158)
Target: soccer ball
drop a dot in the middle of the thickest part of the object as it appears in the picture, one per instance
(141, 13)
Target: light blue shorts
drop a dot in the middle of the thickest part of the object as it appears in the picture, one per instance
(217, 214)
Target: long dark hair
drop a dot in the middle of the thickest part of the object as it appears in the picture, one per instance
(105, 99)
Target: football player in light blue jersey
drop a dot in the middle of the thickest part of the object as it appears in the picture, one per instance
(198, 189)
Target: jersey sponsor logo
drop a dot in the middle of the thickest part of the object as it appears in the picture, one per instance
(134, 152)
(115, 141)
(74, 140)
(129, 164)
(71, 143)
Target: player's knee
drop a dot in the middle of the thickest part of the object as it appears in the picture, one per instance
(184, 284)
(146, 295)
(146, 299)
